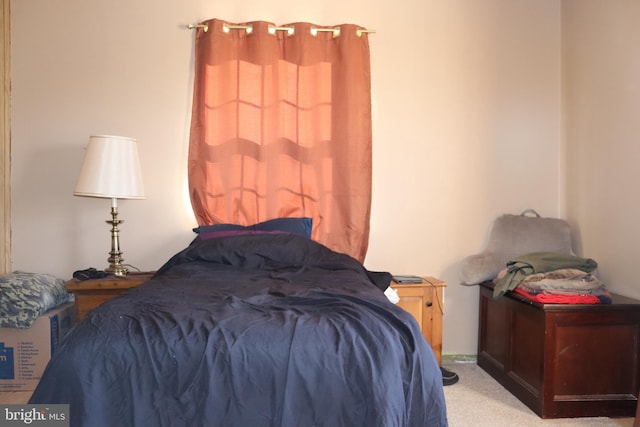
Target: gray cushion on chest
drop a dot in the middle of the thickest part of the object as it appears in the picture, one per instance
(512, 236)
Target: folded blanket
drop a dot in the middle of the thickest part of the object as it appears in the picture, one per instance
(597, 296)
(547, 298)
(569, 279)
(24, 296)
(539, 262)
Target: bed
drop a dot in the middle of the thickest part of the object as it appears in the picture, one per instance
(249, 329)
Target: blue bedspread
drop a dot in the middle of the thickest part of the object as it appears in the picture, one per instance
(251, 330)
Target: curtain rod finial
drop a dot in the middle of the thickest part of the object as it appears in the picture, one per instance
(204, 27)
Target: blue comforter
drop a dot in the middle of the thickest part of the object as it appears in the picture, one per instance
(249, 330)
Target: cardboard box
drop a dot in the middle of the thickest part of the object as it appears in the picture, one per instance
(24, 353)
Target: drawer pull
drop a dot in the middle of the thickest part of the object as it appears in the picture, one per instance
(429, 303)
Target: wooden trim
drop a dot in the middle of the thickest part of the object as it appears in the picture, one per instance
(5, 137)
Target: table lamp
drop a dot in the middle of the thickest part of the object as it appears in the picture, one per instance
(111, 170)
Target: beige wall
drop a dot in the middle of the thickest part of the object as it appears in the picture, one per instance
(601, 85)
(466, 120)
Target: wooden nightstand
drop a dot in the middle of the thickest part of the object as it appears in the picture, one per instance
(91, 293)
(424, 302)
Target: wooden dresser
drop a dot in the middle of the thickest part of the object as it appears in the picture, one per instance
(424, 302)
(563, 360)
(91, 293)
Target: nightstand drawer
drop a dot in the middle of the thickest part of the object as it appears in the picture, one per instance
(89, 294)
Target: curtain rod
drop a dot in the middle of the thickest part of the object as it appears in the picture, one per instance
(272, 29)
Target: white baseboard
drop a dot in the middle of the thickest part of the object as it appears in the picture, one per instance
(460, 358)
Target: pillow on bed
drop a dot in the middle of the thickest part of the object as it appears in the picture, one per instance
(229, 233)
(300, 226)
(281, 253)
(25, 296)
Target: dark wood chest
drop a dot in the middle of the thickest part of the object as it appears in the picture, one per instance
(563, 360)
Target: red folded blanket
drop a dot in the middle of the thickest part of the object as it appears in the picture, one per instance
(547, 298)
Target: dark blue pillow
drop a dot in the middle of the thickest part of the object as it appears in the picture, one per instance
(300, 226)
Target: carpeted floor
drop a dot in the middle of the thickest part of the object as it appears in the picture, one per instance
(480, 401)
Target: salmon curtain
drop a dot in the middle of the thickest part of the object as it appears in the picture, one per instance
(281, 127)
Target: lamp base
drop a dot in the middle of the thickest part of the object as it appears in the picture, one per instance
(115, 256)
(116, 270)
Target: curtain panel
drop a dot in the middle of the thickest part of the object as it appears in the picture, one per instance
(281, 127)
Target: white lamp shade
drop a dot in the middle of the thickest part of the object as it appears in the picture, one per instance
(111, 169)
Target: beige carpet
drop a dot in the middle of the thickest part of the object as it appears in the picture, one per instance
(478, 400)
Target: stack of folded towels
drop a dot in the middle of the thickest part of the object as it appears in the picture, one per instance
(550, 277)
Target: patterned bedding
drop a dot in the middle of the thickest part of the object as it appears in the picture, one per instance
(25, 296)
